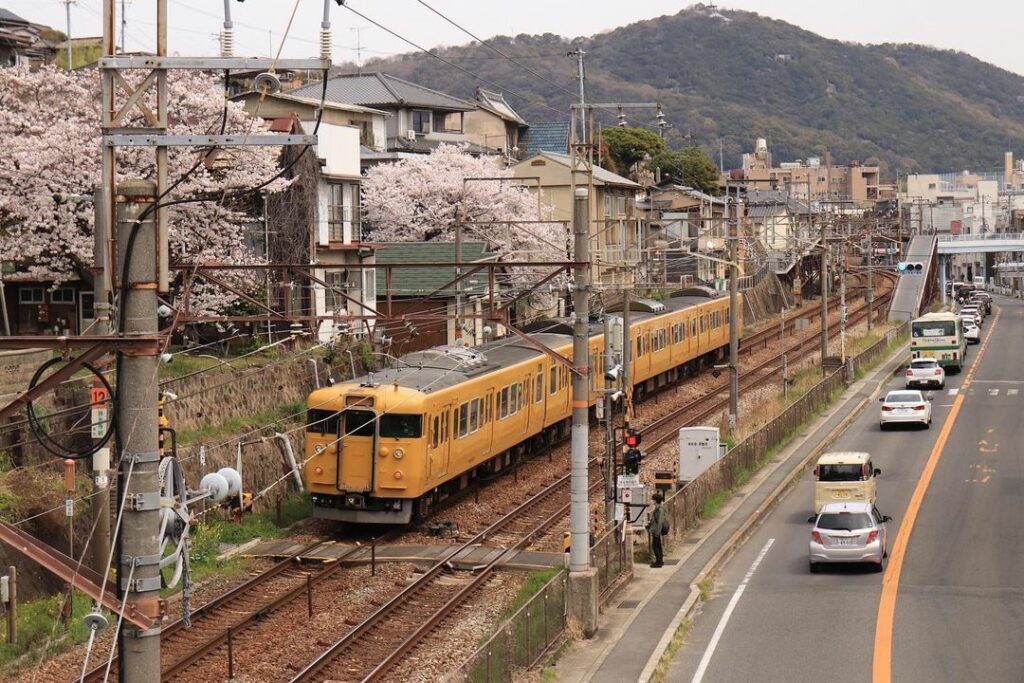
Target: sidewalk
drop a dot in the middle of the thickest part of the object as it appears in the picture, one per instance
(637, 625)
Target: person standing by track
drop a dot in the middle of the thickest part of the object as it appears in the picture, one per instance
(657, 527)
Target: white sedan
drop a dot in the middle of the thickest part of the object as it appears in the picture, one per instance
(905, 407)
(972, 333)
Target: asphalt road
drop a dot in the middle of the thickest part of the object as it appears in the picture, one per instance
(959, 605)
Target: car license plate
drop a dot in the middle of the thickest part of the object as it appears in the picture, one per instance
(841, 494)
(844, 541)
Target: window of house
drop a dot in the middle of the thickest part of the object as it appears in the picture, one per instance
(63, 295)
(337, 282)
(336, 212)
(447, 122)
(30, 295)
(607, 206)
(421, 120)
(621, 201)
(88, 308)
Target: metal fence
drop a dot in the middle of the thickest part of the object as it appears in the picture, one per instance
(610, 557)
(520, 642)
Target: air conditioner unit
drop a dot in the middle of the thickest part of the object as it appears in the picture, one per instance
(411, 134)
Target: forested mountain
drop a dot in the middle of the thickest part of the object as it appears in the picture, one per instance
(736, 76)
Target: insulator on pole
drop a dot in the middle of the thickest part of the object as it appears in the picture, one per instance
(325, 43)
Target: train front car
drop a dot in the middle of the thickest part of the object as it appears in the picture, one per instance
(365, 452)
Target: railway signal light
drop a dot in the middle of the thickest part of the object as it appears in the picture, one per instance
(631, 461)
(632, 438)
(910, 268)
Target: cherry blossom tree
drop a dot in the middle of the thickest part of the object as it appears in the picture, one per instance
(50, 137)
(422, 199)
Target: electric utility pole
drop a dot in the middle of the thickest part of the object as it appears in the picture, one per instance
(67, 15)
(101, 459)
(582, 76)
(870, 294)
(609, 458)
(138, 428)
(824, 293)
(734, 288)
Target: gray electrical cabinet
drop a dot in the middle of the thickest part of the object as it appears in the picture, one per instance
(698, 449)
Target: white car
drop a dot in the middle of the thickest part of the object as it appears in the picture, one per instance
(972, 333)
(905, 407)
(972, 317)
(925, 372)
(974, 310)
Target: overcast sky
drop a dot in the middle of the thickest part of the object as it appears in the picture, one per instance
(987, 29)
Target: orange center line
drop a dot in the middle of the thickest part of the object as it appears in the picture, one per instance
(881, 669)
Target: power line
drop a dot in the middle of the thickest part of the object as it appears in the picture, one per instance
(451, 63)
(494, 49)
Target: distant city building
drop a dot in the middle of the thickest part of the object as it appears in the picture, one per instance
(854, 185)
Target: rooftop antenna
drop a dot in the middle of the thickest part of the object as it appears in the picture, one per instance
(359, 47)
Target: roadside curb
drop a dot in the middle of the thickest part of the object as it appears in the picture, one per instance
(754, 519)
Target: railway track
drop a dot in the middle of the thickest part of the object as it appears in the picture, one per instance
(374, 646)
(229, 615)
(665, 428)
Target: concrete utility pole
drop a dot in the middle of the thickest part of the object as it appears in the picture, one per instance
(67, 13)
(101, 280)
(138, 429)
(582, 76)
(824, 294)
(609, 458)
(627, 357)
(579, 513)
(734, 318)
(870, 294)
(842, 302)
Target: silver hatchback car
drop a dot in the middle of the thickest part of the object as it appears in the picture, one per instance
(849, 532)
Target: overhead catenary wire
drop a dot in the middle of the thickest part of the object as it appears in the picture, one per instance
(452, 64)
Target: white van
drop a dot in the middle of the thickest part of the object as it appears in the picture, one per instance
(979, 282)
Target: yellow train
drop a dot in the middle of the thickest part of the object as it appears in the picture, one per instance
(386, 447)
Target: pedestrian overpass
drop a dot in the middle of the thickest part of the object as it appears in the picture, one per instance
(912, 291)
(977, 243)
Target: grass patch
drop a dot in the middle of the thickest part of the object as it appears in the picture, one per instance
(535, 581)
(713, 504)
(293, 411)
(678, 638)
(42, 633)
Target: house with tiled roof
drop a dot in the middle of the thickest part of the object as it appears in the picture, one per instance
(495, 124)
(25, 43)
(546, 136)
(428, 291)
(617, 231)
(418, 118)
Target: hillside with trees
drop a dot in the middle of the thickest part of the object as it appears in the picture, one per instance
(727, 77)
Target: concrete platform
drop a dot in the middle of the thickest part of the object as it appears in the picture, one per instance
(467, 559)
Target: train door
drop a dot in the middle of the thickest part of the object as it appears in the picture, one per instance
(358, 434)
(439, 445)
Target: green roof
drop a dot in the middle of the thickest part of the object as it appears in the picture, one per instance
(413, 282)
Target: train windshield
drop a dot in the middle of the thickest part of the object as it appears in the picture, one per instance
(392, 425)
(321, 421)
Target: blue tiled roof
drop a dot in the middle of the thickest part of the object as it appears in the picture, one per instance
(550, 136)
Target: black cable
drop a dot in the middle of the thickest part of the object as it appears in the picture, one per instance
(45, 439)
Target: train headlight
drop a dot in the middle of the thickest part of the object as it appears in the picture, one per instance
(399, 453)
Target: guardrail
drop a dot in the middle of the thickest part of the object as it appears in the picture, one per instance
(978, 236)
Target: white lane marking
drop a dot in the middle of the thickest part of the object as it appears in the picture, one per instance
(720, 629)
(997, 381)
(993, 392)
(954, 392)
(1011, 392)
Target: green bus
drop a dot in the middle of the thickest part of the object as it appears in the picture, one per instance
(939, 336)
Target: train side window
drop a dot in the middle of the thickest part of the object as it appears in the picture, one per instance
(503, 403)
(539, 388)
(435, 432)
(693, 327)
(444, 426)
(553, 379)
(463, 420)
(474, 415)
(517, 398)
